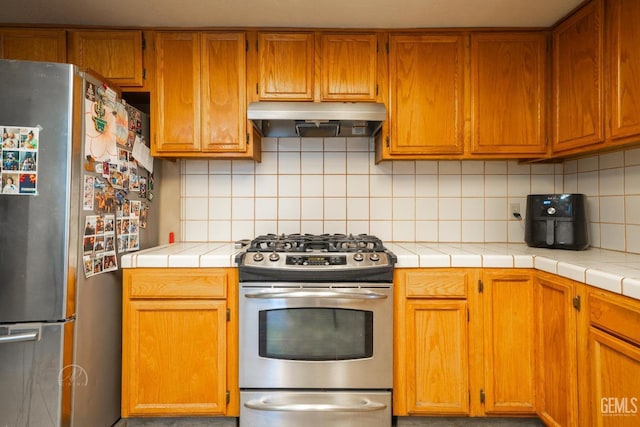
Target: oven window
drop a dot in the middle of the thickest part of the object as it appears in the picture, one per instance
(316, 334)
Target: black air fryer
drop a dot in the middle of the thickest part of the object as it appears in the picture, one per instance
(557, 221)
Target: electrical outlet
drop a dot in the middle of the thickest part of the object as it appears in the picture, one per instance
(515, 211)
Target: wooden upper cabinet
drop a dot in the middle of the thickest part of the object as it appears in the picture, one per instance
(508, 93)
(622, 17)
(577, 98)
(117, 55)
(286, 66)
(323, 66)
(426, 94)
(33, 45)
(224, 105)
(349, 65)
(200, 102)
(177, 100)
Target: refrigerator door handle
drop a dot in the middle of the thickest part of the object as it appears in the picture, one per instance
(27, 336)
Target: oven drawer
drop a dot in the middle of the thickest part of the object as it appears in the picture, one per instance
(315, 409)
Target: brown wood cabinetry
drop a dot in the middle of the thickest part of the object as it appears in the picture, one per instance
(508, 93)
(47, 45)
(577, 80)
(431, 341)
(116, 55)
(558, 302)
(286, 67)
(614, 359)
(179, 342)
(200, 102)
(426, 96)
(464, 342)
(310, 66)
(348, 64)
(509, 342)
(622, 17)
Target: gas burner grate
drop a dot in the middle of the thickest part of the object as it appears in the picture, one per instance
(316, 242)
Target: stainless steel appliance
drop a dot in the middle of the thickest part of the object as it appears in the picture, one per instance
(316, 119)
(316, 325)
(557, 221)
(60, 290)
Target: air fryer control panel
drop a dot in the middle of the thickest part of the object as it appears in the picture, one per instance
(558, 205)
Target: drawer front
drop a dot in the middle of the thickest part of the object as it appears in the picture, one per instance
(436, 284)
(615, 314)
(176, 283)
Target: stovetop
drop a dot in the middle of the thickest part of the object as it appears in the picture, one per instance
(316, 257)
(315, 243)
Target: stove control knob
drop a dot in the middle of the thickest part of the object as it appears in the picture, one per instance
(358, 256)
(257, 257)
(551, 210)
(274, 257)
(374, 257)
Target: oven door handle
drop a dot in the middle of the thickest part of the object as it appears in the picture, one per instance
(264, 405)
(363, 295)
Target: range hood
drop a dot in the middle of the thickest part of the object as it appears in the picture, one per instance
(279, 119)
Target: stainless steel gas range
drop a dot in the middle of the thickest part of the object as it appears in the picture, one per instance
(316, 316)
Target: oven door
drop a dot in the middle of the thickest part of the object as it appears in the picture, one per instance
(331, 337)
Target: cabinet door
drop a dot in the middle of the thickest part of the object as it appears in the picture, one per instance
(33, 45)
(286, 66)
(624, 62)
(116, 55)
(509, 342)
(348, 63)
(508, 93)
(577, 116)
(437, 358)
(556, 328)
(224, 107)
(615, 373)
(426, 84)
(177, 102)
(174, 357)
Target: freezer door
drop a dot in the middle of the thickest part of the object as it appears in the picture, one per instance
(37, 230)
(36, 375)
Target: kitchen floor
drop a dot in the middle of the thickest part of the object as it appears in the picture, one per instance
(400, 422)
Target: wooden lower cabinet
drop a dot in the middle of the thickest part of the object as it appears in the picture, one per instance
(179, 343)
(432, 341)
(614, 360)
(465, 342)
(558, 322)
(509, 342)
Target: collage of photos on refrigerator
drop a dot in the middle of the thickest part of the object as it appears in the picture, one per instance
(19, 169)
(113, 177)
(99, 246)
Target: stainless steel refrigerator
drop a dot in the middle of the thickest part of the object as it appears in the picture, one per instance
(60, 301)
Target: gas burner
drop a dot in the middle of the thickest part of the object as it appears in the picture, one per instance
(316, 258)
(316, 243)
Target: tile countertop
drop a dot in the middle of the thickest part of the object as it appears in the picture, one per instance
(617, 272)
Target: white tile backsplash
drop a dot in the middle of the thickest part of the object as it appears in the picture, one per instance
(316, 185)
